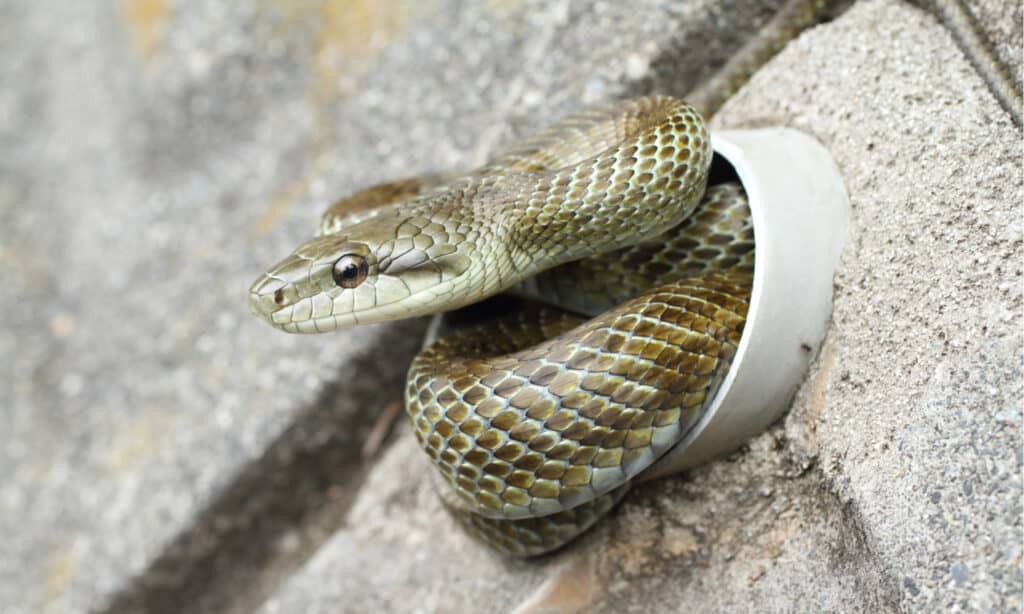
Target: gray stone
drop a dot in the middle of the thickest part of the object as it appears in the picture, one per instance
(147, 418)
(165, 452)
(917, 389)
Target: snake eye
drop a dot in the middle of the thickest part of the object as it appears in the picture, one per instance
(350, 271)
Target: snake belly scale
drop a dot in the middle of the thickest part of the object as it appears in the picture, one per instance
(539, 421)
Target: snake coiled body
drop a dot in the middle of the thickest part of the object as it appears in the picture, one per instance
(544, 413)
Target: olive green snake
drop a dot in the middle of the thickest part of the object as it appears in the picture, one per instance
(540, 420)
(544, 420)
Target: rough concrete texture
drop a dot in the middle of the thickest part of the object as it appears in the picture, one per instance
(163, 451)
(914, 412)
(144, 412)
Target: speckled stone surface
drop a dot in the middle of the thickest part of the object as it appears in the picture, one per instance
(914, 412)
(145, 159)
(166, 452)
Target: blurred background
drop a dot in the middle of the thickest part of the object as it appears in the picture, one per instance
(163, 451)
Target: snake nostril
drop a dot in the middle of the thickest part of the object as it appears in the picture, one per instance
(279, 297)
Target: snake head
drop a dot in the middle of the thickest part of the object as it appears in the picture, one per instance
(377, 270)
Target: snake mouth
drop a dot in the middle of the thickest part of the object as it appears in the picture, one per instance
(284, 306)
(309, 308)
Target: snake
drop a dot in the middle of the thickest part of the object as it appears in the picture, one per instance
(539, 421)
(639, 273)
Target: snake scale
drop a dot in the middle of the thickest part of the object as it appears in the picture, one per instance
(539, 421)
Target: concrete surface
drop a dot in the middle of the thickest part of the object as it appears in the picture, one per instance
(165, 452)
